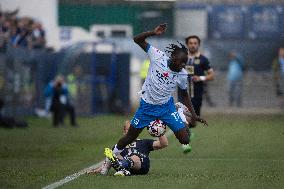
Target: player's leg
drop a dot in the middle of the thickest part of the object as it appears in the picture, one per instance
(139, 121)
(231, 92)
(183, 135)
(280, 92)
(136, 164)
(197, 103)
(176, 124)
(103, 169)
(131, 135)
(61, 113)
(238, 93)
(116, 164)
(56, 115)
(71, 110)
(173, 120)
(131, 162)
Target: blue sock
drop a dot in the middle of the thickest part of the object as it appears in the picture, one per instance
(127, 163)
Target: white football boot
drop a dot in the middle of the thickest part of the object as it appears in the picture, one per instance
(122, 172)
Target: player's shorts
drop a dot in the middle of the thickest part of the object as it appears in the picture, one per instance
(167, 113)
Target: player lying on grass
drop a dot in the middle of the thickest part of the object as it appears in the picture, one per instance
(134, 159)
(164, 74)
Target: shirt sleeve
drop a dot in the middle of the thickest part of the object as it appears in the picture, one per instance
(149, 144)
(183, 79)
(206, 64)
(153, 53)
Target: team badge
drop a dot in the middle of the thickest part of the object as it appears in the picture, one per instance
(197, 61)
(189, 69)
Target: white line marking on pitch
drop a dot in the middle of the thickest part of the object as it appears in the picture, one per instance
(83, 171)
(71, 177)
(214, 159)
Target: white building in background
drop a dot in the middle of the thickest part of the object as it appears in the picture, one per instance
(191, 22)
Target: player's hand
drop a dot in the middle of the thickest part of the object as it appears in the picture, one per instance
(196, 78)
(94, 171)
(201, 120)
(160, 29)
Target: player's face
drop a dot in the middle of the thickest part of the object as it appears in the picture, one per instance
(179, 61)
(192, 45)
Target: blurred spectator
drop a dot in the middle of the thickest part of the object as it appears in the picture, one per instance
(278, 74)
(20, 32)
(37, 37)
(57, 92)
(20, 38)
(235, 78)
(10, 122)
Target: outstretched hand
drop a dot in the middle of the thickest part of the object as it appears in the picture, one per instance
(201, 120)
(94, 171)
(160, 29)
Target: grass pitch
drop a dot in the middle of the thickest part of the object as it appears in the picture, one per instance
(235, 151)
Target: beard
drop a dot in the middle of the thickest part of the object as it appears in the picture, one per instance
(193, 50)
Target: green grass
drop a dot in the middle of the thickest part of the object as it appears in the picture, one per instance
(233, 152)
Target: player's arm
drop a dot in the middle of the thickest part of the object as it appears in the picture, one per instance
(94, 171)
(210, 75)
(140, 39)
(209, 71)
(190, 108)
(187, 102)
(162, 142)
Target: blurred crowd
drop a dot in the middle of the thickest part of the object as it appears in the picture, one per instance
(20, 31)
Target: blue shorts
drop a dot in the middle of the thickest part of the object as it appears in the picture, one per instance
(166, 113)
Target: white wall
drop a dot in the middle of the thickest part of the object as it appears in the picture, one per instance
(69, 35)
(191, 22)
(45, 11)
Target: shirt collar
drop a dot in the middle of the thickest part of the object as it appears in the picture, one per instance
(197, 55)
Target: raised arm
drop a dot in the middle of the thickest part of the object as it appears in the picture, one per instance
(140, 39)
(189, 106)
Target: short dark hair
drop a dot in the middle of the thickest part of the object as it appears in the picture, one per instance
(174, 49)
(192, 37)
